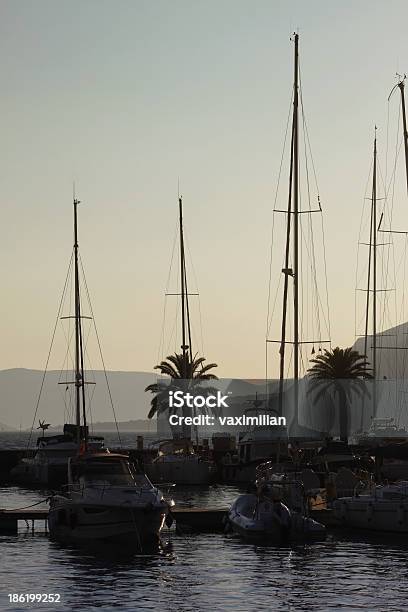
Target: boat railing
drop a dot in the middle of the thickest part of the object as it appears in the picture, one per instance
(363, 486)
(104, 488)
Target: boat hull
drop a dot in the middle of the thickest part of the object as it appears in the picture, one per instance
(255, 520)
(181, 472)
(376, 515)
(76, 523)
(39, 474)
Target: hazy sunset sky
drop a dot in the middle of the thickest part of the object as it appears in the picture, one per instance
(128, 97)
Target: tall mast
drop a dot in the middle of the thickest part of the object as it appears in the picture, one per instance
(184, 346)
(372, 284)
(292, 267)
(293, 198)
(287, 272)
(296, 226)
(401, 86)
(77, 326)
(79, 357)
(374, 235)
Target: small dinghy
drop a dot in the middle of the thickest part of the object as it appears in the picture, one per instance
(264, 516)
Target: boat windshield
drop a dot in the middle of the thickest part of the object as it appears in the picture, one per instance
(113, 473)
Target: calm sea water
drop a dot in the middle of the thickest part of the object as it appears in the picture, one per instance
(20, 440)
(202, 572)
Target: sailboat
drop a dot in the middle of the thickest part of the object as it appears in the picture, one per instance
(47, 466)
(260, 444)
(385, 507)
(107, 497)
(289, 390)
(382, 430)
(176, 460)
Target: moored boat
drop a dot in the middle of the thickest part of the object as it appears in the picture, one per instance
(176, 462)
(381, 432)
(263, 515)
(107, 499)
(47, 465)
(384, 509)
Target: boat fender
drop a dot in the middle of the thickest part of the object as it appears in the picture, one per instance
(400, 514)
(370, 512)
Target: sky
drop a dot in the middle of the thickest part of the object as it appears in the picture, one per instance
(132, 99)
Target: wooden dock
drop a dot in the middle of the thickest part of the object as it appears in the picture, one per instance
(9, 519)
(199, 519)
(193, 519)
(187, 518)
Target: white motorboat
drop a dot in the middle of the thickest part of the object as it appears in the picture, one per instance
(382, 431)
(107, 499)
(264, 516)
(47, 465)
(176, 462)
(384, 509)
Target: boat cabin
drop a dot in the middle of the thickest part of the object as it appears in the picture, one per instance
(104, 469)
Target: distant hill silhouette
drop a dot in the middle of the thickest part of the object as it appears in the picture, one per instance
(138, 425)
(4, 427)
(19, 389)
(392, 363)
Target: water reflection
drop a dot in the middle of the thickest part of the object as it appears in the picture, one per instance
(207, 571)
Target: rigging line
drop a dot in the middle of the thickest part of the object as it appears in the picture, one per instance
(167, 286)
(306, 134)
(310, 223)
(68, 337)
(318, 293)
(49, 352)
(387, 141)
(70, 406)
(63, 369)
(160, 352)
(172, 336)
(197, 291)
(90, 391)
(100, 351)
(68, 353)
(187, 304)
(404, 355)
(302, 302)
(67, 334)
(360, 231)
(386, 259)
(326, 279)
(307, 138)
(169, 348)
(385, 208)
(397, 153)
(172, 258)
(403, 304)
(268, 316)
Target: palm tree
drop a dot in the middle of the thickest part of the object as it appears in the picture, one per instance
(329, 373)
(187, 375)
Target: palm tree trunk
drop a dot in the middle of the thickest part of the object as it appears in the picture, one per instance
(343, 412)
